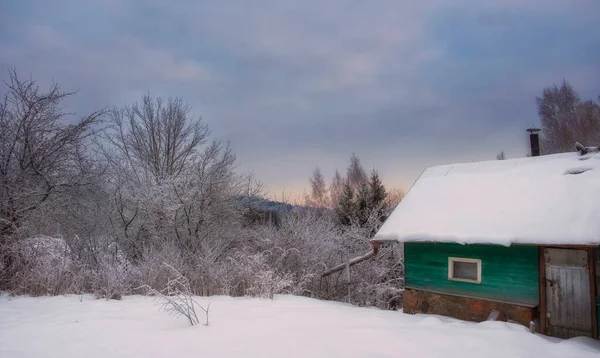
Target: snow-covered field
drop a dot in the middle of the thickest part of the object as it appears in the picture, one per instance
(285, 327)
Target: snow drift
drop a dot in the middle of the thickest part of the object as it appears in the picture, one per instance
(287, 326)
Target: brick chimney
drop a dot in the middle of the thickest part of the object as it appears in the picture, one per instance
(534, 141)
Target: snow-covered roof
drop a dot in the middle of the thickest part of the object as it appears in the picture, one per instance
(552, 199)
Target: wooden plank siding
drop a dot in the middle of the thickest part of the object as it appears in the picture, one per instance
(568, 297)
(597, 256)
(509, 274)
(542, 281)
(594, 269)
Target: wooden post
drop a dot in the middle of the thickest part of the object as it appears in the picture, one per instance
(542, 285)
(592, 270)
(348, 277)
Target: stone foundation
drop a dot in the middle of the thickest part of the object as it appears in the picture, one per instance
(468, 309)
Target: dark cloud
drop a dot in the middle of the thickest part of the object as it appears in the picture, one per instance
(293, 85)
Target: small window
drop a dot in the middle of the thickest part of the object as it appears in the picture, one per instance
(464, 270)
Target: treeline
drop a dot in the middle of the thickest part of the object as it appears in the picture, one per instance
(109, 203)
(356, 198)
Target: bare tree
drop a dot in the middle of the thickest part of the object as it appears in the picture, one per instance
(148, 145)
(354, 181)
(157, 136)
(207, 213)
(169, 185)
(501, 155)
(41, 154)
(588, 128)
(319, 196)
(566, 120)
(355, 174)
(336, 188)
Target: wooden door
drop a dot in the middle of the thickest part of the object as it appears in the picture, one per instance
(568, 298)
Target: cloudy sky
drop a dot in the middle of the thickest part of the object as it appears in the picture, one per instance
(299, 84)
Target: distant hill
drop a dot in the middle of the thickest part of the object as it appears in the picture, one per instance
(265, 204)
(277, 206)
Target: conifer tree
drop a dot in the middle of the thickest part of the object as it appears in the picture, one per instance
(363, 207)
(378, 195)
(360, 199)
(346, 208)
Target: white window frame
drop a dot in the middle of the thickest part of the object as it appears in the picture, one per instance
(452, 260)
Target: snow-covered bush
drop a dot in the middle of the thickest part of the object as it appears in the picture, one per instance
(43, 265)
(112, 280)
(38, 265)
(306, 243)
(290, 257)
(151, 270)
(379, 282)
(250, 274)
(285, 258)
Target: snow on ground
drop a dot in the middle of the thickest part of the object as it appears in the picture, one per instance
(241, 327)
(552, 199)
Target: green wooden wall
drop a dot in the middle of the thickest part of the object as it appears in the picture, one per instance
(508, 274)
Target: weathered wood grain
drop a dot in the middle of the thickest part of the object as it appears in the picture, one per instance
(568, 305)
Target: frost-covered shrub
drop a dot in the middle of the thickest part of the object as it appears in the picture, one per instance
(379, 282)
(43, 265)
(38, 265)
(306, 243)
(287, 258)
(112, 280)
(151, 270)
(250, 274)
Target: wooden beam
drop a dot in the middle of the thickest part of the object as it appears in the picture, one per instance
(542, 285)
(592, 270)
(354, 261)
(573, 247)
(557, 246)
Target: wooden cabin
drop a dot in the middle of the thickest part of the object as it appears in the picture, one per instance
(516, 239)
